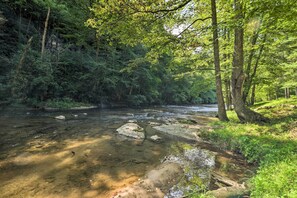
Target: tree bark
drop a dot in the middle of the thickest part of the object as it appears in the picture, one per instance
(244, 114)
(44, 32)
(228, 94)
(220, 98)
(226, 57)
(287, 93)
(253, 94)
(296, 91)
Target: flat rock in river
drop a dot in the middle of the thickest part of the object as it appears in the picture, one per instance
(180, 130)
(131, 130)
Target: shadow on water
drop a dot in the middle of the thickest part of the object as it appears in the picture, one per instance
(81, 156)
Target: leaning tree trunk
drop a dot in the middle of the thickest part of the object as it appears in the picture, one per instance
(244, 114)
(44, 32)
(221, 105)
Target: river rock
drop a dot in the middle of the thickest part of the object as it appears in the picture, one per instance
(131, 130)
(60, 117)
(132, 121)
(155, 184)
(180, 130)
(202, 158)
(197, 164)
(155, 138)
(154, 124)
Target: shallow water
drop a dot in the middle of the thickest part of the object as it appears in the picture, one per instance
(81, 156)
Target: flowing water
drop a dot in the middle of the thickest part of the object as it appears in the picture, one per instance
(81, 156)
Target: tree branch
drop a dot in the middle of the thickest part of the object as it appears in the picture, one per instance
(183, 4)
(200, 19)
(169, 10)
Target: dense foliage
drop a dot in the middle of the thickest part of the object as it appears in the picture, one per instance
(79, 65)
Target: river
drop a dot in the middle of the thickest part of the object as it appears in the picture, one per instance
(81, 156)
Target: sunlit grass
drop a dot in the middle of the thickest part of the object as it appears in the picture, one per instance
(273, 146)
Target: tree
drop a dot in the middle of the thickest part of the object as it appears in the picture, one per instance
(221, 105)
(159, 24)
(238, 76)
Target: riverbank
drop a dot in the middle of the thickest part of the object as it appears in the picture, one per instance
(271, 146)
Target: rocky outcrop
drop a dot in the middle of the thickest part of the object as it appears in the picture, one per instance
(155, 184)
(131, 130)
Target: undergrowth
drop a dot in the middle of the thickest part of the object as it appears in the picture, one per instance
(273, 146)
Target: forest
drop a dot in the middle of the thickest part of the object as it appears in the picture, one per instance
(142, 53)
(65, 60)
(240, 55)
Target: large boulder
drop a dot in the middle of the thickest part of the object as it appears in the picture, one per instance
(131, 130)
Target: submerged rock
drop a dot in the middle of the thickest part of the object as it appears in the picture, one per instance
(131, 130)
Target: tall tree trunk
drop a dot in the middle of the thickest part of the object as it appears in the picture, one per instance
(44, 32)
(221, 105)
(244, 114)
(249, 65)
(296, 91)
(226, 56)
(287, 93)
(250, 77)
(228, 94)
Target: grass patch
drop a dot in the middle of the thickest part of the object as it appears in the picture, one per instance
(272, 146)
